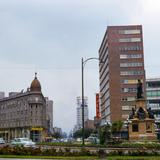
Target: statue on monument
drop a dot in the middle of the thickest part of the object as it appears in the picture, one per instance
(131, 115)
(150, 113)
(139, 89)
(141, 114)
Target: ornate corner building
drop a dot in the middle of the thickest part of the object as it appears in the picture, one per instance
(24, 114)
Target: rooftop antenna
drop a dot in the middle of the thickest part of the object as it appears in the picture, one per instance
(35, 74)
(35, 68)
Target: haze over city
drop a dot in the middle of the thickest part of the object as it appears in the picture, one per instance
(50, 37)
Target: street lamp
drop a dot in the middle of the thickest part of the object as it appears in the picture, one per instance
(83, 64)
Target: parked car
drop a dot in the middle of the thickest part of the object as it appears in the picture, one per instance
(55, 140)
(2, 141)
(25, 142)
(92, 140)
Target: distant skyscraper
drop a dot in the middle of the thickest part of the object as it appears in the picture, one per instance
(122, 53)
(79, 111)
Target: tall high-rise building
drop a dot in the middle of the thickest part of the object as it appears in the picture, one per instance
(79, 112)
(121, 52)
(153, 98)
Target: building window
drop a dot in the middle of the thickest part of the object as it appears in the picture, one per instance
(128, 56)
(130, 40)
(127, 108)
(134, 127)
(129, 73)
(129, 90)
(136, 64)
(128, 99)
(130, 48)
(130, 81)
(133, 31)
(124, 116)
(153, 84)
(153, 93)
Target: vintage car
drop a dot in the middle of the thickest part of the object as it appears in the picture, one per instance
(25, 142)
(2, 141)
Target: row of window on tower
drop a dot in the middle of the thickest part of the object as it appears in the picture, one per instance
(130, 73)
(131, 64)
(129, 31)
(130, 56)
(130, 48)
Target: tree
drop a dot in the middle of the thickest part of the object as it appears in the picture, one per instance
(104, 133)
(116, 128)
(87, 132)
(77, 134)
(57, 135)
(64, 135)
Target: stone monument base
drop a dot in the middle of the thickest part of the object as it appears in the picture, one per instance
(141, 126)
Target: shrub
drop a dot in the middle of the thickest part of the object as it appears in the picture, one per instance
(67, 152)
(101, 153)
(49, 152)
(60, 152)
(85, 152)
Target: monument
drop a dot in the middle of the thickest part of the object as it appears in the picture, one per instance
(141, 119)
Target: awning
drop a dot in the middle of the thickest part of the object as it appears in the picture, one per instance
(36, 129)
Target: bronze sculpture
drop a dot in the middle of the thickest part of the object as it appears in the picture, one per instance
(139, 89)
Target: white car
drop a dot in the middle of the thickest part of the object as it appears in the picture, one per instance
(25, 142)
(2, 141)
(92, 140)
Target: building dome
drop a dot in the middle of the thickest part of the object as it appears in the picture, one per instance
(35, 85)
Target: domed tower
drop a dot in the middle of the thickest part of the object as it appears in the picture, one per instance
(35, 85)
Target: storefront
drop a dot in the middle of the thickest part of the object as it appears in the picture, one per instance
(36, 134)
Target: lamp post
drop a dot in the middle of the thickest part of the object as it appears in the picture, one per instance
(83, 64)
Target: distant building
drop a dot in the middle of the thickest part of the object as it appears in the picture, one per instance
(89, 124)
(49, 115)
(121, 54)
(13, 93)
(2, 95)
(57, 130)
(79, 112)
(153, 98)
(24, 114)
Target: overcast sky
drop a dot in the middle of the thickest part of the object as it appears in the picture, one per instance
(51, 36)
